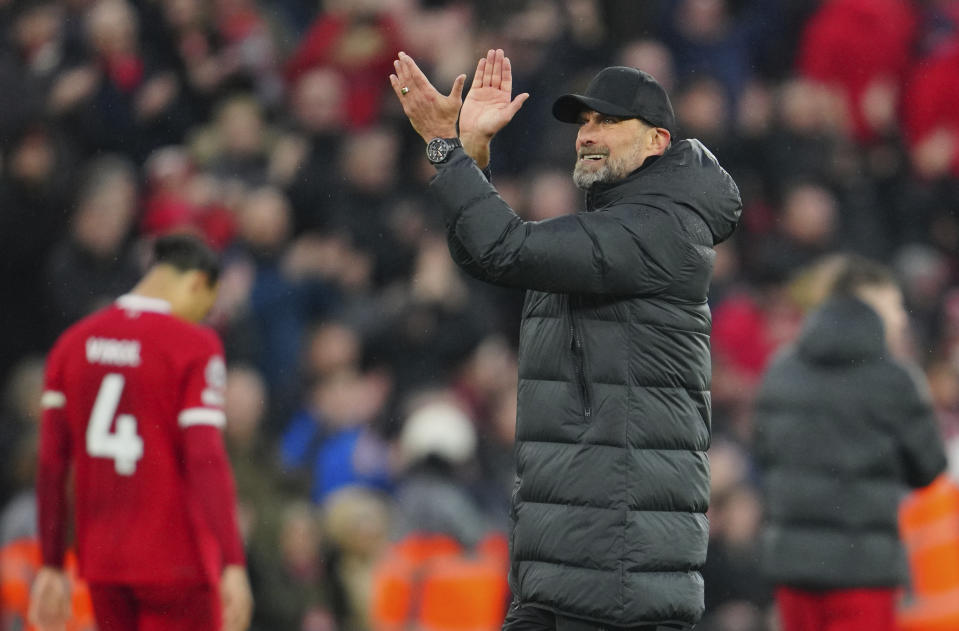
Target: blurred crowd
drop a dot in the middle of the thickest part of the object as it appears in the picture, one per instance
(372, 385)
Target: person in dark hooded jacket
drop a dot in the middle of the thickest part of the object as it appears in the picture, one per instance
(841, 429)
(608, 518)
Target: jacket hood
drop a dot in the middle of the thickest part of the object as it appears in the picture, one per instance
(688, 174)
(842, 330)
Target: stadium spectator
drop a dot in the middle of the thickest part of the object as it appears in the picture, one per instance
(365, 211)
(488, 374)
(652, 56)
(35, 190)
(437, 300)
(96, 261)
(924, 272)
(34, 66)
(356, 523)
(236, 147)
(332, 440)
(358, 40)
(283, 297)
(131, 104)
(719, 40)
(808, 227)
(259, 489)
(293, 576)
(178, 197)
(331, 346)
(930, 122)
(435, 447)
(837, 50)
(486, 389)
(19, 428)
(807, 134)
(495, 454)
(551, 194)
(248, 56)
(703, 112)
(318, 112)
(736, 588)
(133, 404)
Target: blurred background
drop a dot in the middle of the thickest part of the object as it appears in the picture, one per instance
(372, 385)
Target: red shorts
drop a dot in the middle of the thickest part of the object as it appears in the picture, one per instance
(837, 610)
(155, 607)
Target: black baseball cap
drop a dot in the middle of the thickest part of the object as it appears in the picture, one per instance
(620, 91)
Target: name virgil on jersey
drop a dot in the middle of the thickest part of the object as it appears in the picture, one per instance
(102, 350)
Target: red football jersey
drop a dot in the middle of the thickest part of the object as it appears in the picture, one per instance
(127, 390)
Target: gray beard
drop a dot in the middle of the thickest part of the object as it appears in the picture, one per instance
(612, 171)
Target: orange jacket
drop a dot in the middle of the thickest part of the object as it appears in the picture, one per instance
(19, 563)
(929, 524)
(429, 583)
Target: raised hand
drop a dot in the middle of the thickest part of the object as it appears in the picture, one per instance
(431, 114)
(489, 105)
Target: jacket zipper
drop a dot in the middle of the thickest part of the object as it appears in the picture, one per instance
(576, 345)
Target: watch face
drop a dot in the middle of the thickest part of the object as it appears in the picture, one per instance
(437, 150)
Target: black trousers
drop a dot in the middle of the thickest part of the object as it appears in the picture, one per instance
(527, 618)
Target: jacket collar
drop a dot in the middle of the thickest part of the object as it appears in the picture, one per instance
(604, 194)
(686, 176)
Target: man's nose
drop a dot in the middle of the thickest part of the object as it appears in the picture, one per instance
(586, 135)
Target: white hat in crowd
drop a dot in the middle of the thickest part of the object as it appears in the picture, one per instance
(440, 429)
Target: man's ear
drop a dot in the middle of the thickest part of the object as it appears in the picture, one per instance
(198, 280)
(660, 140)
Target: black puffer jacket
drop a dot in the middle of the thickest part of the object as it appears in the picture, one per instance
(608, 516)
(841, 429)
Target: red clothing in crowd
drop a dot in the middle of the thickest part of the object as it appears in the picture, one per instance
(170, 211)
(361, 51)
(133, 402)
(931, 100)
(741, 334)
(850, 44)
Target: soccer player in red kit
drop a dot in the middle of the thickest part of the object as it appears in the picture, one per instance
(133, 401)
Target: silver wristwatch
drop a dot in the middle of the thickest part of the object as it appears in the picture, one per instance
(438, 150)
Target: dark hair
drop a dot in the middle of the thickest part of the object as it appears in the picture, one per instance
(186, 252)
(858, 272)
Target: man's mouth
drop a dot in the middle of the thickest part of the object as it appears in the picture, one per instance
(594, 157)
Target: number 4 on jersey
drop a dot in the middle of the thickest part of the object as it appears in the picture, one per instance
(124, 446)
